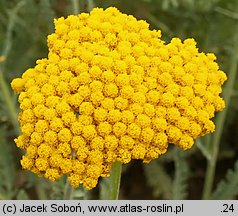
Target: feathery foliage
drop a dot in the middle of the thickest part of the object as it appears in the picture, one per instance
(7, 169)
(180, 183)
(58, 189)
(227, 188)
(158, 179)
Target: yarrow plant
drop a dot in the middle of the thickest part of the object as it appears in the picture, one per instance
(112, 90)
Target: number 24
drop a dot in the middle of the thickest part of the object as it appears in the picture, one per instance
(228, 208)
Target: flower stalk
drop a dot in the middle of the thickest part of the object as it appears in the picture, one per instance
(221, 117)
(75, 7)
(68, 191)
(114, 182)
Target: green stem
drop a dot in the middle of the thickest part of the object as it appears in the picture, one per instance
(75, 7)
(68, 191)
(40, 189)
(11, 23)
(90, 5)
(9, 101)
(211, 164)
(7, 97)
(159, 24)
(227, 13)
(115, 180)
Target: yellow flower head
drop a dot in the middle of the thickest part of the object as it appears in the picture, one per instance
(112, 90)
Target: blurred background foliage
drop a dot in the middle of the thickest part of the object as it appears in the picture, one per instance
(208, 171)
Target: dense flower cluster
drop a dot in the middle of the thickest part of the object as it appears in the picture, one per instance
(112, 90)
